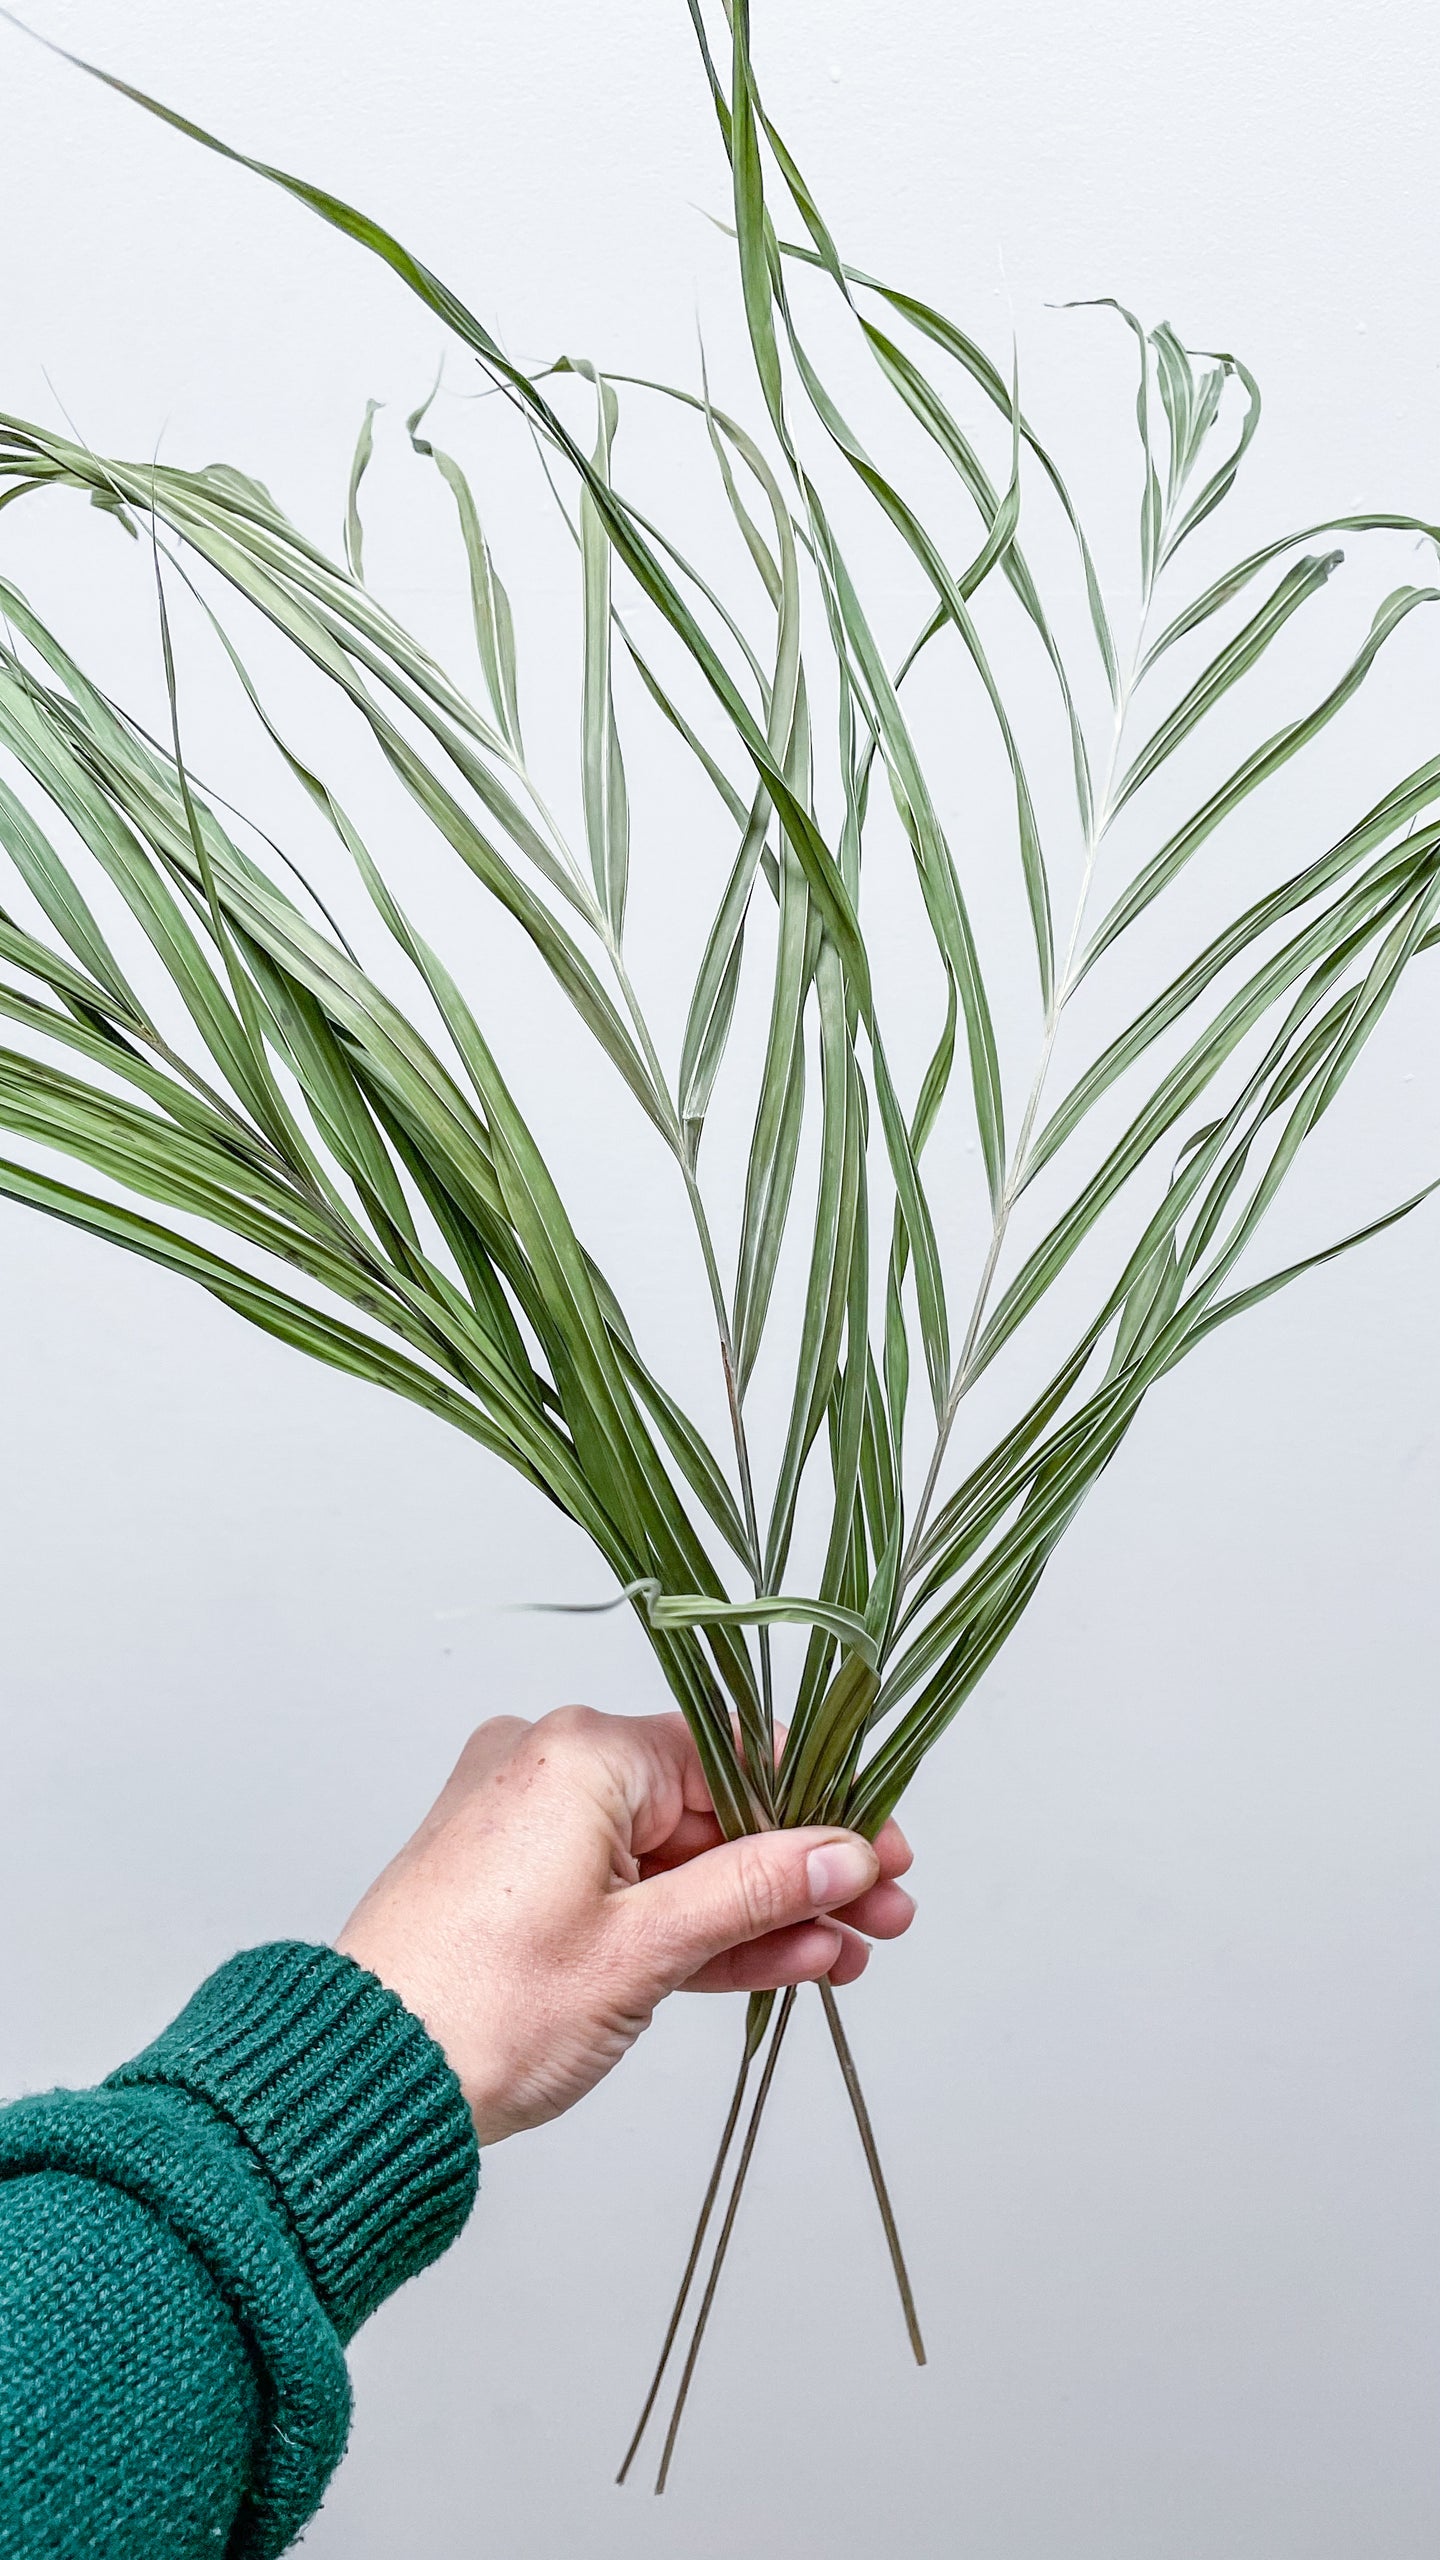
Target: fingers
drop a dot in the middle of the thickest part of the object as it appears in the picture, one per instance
(893, 1850)
(672, 1812)
(772, 1881)
(851, 1962)
(801, 1954)
(693, 1834)
(886, 1911)
(806, 1953)
(649, 1768)
(697, 1898)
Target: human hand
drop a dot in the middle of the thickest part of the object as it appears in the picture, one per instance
(570, 1875)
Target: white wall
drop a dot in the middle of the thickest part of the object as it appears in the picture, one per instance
(1155, 2074)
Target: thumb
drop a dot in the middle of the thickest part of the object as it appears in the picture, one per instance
(743, 1890)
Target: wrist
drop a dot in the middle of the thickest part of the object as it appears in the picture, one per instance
(348, 2104)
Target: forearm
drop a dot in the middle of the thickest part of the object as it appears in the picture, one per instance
(185, 2251)
(130, 2409)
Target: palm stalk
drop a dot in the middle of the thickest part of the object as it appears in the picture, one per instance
(194, 1029)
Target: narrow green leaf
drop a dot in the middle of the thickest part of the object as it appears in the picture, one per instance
(354, 531)
(1235, 660)
(1257, 768)
(606, 803)
(489, 602)
(691, 1609)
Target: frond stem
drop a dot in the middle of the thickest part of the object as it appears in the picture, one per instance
(723, 1326)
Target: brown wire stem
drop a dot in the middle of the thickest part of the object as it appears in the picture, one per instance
(692, 2262)
(722, 2244)
(856, 2095)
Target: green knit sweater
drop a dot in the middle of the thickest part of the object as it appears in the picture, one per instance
(185, 2251)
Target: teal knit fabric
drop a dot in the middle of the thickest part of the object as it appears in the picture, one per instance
(185, 2251)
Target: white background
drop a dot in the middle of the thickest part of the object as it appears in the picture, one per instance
(1155, 2075)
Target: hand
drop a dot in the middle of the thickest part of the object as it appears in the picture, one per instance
(571, 1875)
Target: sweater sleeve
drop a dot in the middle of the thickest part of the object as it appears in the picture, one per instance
(185, 2251)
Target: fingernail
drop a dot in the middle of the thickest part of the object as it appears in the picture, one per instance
(838, 1873)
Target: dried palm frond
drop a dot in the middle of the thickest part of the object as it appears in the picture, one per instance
(356, 1129)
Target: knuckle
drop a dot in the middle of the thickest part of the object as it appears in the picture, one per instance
(638, 1959)
(759, 1888)
(492, 1729)
(487, 1747)
(571, 1727)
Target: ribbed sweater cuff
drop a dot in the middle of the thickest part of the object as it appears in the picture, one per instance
(346, 2102)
